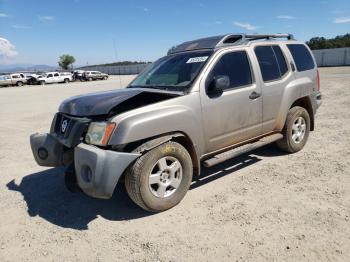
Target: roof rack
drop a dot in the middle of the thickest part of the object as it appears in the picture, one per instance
(224, 40)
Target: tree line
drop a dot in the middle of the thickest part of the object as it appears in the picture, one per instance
(324, 43)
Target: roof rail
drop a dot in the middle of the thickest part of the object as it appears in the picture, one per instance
(268, 36)
(237, 39)
(224, 40)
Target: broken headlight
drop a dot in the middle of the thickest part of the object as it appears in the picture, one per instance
(99, 133)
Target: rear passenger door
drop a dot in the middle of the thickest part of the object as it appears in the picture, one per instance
(275, 76)
(235, 114)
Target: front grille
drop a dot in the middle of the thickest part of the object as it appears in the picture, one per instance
(69, 130)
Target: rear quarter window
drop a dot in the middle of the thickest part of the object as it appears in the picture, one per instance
(302, 57)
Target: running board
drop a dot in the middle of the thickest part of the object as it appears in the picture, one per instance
(217, 159)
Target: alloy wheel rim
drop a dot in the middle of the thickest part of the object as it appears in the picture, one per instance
(165, 177)
(298, 130)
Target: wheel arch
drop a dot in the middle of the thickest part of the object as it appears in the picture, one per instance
(305, 102)
(148, 144)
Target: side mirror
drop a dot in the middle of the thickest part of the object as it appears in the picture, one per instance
(218, 84)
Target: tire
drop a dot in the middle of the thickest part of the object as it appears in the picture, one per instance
(160, 195)
(19, 83)
(105, 78)
(42, 83)
(89, 79)
(66, 80)
(295, 131)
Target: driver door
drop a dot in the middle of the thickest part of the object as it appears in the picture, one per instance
(49, 78)
(235, 114)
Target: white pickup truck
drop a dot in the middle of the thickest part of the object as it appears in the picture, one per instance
(54, 77)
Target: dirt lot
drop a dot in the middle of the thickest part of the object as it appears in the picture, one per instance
(265, 206)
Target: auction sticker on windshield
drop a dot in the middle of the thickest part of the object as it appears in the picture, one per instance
(198, 59)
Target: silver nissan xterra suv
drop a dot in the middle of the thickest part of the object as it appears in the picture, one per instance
(207, 101)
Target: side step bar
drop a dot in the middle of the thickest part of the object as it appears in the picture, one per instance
(217, 159)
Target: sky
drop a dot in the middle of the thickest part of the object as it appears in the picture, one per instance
(101, 31)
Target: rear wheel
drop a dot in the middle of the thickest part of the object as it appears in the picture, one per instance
(296, 130)
(19, 83)
(160, 178)
(89, 79)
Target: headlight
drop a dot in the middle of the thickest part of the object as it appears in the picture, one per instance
(99, 133)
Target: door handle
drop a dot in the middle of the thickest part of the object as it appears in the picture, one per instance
(254, 95)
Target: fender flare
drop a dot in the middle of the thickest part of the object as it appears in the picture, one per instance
(157, 141)
(176, 137)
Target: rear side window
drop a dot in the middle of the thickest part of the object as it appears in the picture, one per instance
(280, 59)
(302, 57)
(271, 61)
(236, 66)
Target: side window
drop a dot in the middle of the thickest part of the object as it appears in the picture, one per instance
(268, 63)
(56, 74)
(302, 57)
(236, 66)
(282, 64)
(49, 75)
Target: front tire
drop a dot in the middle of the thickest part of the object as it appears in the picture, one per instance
(296, 130)
(66, 80)
(160, 178)
(19, 83)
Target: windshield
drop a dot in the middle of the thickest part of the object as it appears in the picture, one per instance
(175, 72)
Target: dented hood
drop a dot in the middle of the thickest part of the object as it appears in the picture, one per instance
(101, 103)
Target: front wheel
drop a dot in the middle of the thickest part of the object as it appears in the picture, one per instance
(296, 130)
(66, 80)
(19, 83)
(160, 178)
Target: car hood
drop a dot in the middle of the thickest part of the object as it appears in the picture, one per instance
(113, 101)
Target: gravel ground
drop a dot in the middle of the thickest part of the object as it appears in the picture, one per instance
(265, 206)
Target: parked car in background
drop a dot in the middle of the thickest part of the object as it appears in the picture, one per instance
(78, 75)
(54, 77)
(13, 80)
(32, 79)
(94, 75)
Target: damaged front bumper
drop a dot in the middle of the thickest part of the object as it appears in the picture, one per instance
(97, 171)
(48, 151)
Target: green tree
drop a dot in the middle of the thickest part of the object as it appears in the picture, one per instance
(65, 61)
(323, 43)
